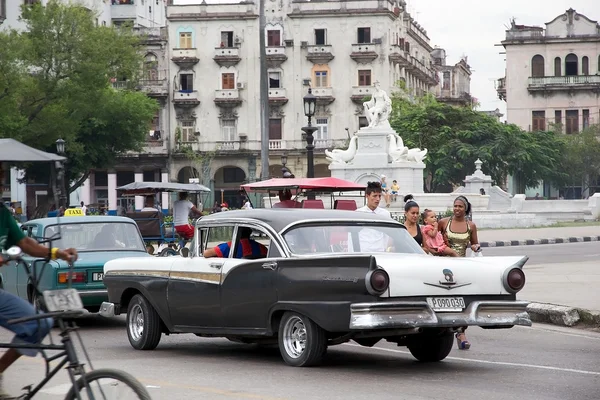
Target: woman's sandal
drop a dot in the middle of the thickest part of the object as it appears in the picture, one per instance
(464, 344)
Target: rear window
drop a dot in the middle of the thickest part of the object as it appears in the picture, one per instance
(96, 236)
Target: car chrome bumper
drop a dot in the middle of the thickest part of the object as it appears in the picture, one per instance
(107, 309)
(93, 293)
(418, 314)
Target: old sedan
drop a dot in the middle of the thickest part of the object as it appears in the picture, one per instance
(327, 277)
(97, 240)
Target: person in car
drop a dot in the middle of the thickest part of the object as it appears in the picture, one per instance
(247, 247)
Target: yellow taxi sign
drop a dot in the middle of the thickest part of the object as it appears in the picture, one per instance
(74, 212)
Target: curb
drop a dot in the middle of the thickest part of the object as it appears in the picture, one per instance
(563, 315)
(531, 242)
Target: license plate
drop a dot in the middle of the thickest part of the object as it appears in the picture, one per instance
(446, 303)
(98, 276)
(62, 300)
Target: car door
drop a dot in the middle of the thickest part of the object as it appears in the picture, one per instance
(194, 284)
(248, 286)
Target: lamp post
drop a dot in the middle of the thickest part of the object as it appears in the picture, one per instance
(60, 149)
(310, 103)
(285, 171)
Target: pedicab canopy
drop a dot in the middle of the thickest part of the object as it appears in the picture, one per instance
(315, 184)
(12, 150)
(150, 188)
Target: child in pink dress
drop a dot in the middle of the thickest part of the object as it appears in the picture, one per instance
(433, 238)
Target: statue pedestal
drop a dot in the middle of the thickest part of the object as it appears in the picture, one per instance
(372, 160)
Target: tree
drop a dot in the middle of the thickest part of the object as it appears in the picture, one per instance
(457, 136)
(582, 159)
(56, 81)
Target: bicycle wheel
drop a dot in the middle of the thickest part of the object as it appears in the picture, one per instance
(108, 384)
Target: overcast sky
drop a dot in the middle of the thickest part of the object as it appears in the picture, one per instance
(473, 27)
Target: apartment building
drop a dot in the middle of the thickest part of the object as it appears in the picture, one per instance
(552, 78)
(454, 80)
(339, 48)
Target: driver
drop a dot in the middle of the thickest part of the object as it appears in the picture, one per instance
(181, 212)
(247, 247)
(11, 306)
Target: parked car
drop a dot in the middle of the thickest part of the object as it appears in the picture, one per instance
(329, 276)
(97, 239)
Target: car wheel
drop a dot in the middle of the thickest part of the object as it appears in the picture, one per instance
(431, 348)
(302, 343)
(143, 324)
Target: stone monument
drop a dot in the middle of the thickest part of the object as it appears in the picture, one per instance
(377, 150)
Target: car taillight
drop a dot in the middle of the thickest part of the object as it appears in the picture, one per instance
(514, 280)
(377, 281)
(76, 277)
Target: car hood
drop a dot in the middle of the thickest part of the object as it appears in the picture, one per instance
(424, 275)
(95, 259)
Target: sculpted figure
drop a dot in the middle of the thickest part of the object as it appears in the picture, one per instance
(377, 110)
(398, 152)
(339, 156)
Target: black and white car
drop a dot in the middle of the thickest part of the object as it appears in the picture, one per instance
(318, 286)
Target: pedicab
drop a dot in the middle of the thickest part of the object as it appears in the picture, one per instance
(152, 224)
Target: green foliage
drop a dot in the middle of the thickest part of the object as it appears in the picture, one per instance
(55, 82)
(582, 158)
(457, 136)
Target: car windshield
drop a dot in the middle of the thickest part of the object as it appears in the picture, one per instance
(97, 236)
(351, 238)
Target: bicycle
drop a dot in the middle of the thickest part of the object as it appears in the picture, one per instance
(63, 305)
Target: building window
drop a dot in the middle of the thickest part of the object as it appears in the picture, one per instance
(538, 121)
(571, 121)
(585, 118)
(364, 77)
(185, 40)
(229, 130)
(321, 79)
(186, 82)
(320, 36)
(275, 129)
(537, 66)
(226, 39)
(585, 65)
(151, 67)
(155, 133)
(557, 66)
(558, 118)
(187, 130)
(571, 65)
(274, 80)
(273, 38)
(227, 81)
(364, 35)
(598, 64)
(323, 131)
(446, 81)
(233, 174)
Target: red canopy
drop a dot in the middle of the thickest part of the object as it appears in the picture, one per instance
(317, 184)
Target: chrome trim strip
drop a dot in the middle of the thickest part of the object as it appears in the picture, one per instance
(418, 314)
(90, 293)
(339, 220)
(138, 272)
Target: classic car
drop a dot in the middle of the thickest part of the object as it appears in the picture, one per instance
(328, 277)
(97, 239)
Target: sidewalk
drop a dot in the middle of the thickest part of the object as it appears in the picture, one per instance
(523, 237)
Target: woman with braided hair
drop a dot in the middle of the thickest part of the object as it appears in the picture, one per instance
(458, 232)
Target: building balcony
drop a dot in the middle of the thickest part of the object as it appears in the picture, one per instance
(227, 98)
(399, 56)
(277, 96)
(320, 54)
(558, 83)
(422, 72)
(364, 53)
(186, 98)
(360, 92)
(275, 56)
(225, 146)
(155, 83)
(123, 11)
(324, 95)
(154, 145)
(501, 88)
(185, 58)
(227, 56)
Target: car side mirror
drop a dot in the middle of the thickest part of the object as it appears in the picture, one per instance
(185, 252)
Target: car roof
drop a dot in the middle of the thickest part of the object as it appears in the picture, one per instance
(78, 220)
(279, 218)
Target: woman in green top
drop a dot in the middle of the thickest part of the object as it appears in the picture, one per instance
(459, 232)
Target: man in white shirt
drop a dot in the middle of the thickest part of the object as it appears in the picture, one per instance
(83, 208)
(181, 212)
(372, 240)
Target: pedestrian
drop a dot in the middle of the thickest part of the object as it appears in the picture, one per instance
(83, 208)
(433, 237)
(247, 205)
(459, 232)
(373, 240)
(411, 220)
(181, 214)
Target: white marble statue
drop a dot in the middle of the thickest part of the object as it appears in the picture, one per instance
(398, 152)
(338, 156)
(377, 110)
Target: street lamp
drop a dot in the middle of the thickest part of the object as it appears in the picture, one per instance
(60, 149)
(310, 103)
(285, 171)
(283, 160)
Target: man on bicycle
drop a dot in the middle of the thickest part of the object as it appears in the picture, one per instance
(181, 212)
(11, 306)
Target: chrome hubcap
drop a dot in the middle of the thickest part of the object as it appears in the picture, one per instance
(294, 337)
(136, 322)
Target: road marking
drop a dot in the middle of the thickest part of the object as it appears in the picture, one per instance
(557, 329)
(576, 371)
